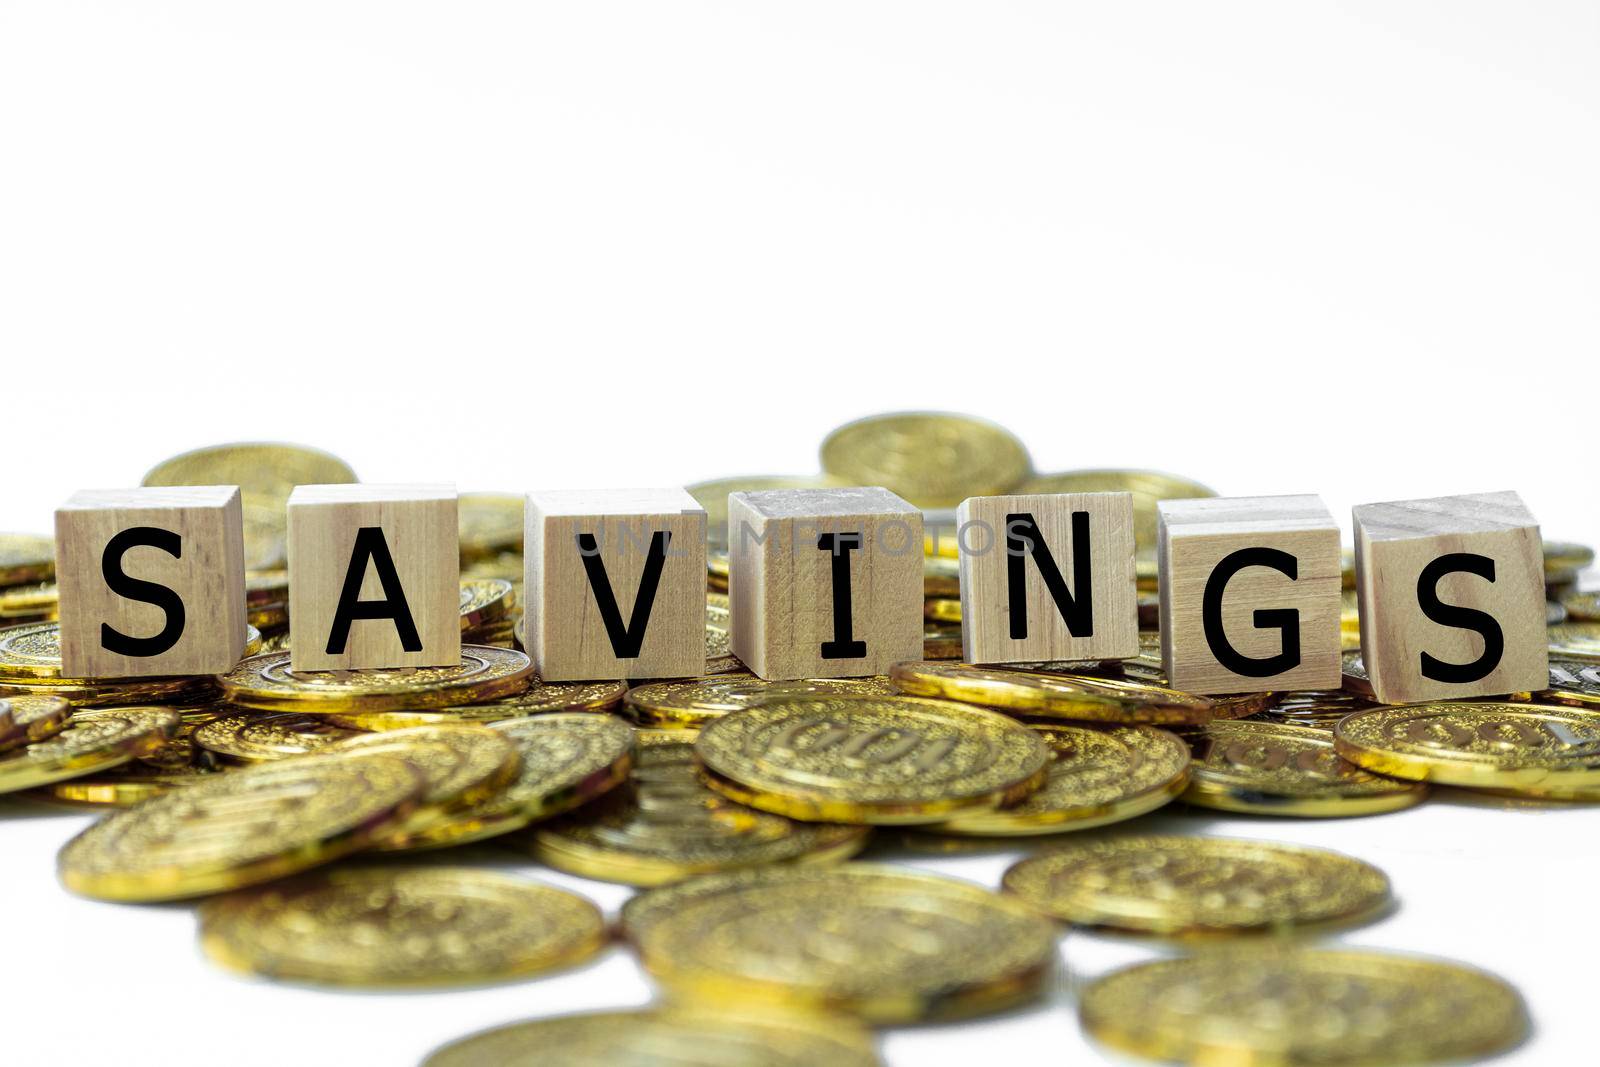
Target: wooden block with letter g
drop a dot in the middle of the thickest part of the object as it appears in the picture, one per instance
(824, 583)
(616, 584)
(1047, 577)
(1451, 593)
(1249, 594)
(374, 577)
(151, 581)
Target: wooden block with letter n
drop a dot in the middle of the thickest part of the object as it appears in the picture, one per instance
(1047, 577)
(1249, 594)
(151, 581)
(824, 583)
(374, 577)
(616, 584)
(1451, 593)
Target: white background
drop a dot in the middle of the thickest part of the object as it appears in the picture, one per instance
(1341, 248)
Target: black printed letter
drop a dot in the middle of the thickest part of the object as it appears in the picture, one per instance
(372, 549)
(145, 592)
(1023, 538)
(843, 645)
(1494, 641)
(1285, 620)
(625, 641)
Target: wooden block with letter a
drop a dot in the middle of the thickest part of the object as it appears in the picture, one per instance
(1250, 594)
(151, 581)
(824, 583)
(616, 584)
(1451, 594)
(1047, 577)
(374, 577)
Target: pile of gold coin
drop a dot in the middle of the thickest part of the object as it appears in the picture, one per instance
(739, 807)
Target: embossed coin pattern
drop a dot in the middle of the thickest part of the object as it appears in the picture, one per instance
(26, 719)
(485, 600)
(484, 673)
(1039, 693)
(92, 741)
(694, 702)
(883, 760)
(460, 765)
(882, 943)
(384, 926)
(1190, 886)
(255, 737)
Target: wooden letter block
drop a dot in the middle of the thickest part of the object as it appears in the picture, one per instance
(1451, 592)
(824, 583)
(1249, 594)
(374, 577)
(1047, 578)
(616, 584)
(151, 581)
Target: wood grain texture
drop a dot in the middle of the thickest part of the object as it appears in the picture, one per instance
(566, 625)
(207, 574)
(987, 610)
(418, 526)
(1397, 542)
(1195, 537)
(781, 584)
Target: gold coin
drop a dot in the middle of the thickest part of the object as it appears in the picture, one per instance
(719, 651)
(1532, 748)
(1148, 488)
(1147, 668)
(1575, 640)
(1315, 708)
(121, 787)
(1281, 1005)
(93, 741)
(490, 524)
(941, 577)
(1354, 671)
(713, 496)
(484, 673)
(1270, 769)
(1581, 607)
(26, 719)
(228, 831)
(485, 601)
(932, 459)
(461, 766)
(258, 737)
(1068, 696)
(26, 558)
(1099, 775)
(666, 826)
(939, 609)
(1194, 886)
(940, 643)
(31, 654)
(697, 701)
(880, 760)
(387, 926)
(84, 693)
(680, 1036)
(1563, 560)
(882, 943)
(1572, 682)
(38, 602)
(540, 698)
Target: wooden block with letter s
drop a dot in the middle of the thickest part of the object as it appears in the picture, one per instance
(1452, 597)
(374, 577)
(616, 584)
(824, 583)
(151, 581)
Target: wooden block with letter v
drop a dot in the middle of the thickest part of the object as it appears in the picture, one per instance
(1047, 577)
(1250, 594)
(151, 581)
(374, 577)
(1451, 593)
(824, 583)
(616, 584)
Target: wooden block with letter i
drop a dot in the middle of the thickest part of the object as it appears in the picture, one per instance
(1047, 577)
(824, 583)
(374, 577)
(151, 581)
(616, 584)
(1451, 592)
(1249, 594)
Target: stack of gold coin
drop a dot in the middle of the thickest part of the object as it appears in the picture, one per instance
(486, 617)
(30, 663)
(267, 683)
(695, 702)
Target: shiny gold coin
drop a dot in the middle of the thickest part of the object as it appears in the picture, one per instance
(697, 701)
(31, 654)
(1532, 748)
(932, 459)
(229, 831)
(540, 698)
(666, 826)
(37, 602)
(485, 601)
(1278, 1005)
(1581, 607)
(82, 693)
(878, 760)
(1194, 886)
(258, 737)
(1575, 640)
(938, 609)
(461, 766)
(1572, 682)
(484, 673)
(881, 943)
(1100, 775)
(681, 1036)
(26, 558)
(490, 524)
(713, 496)
(1148, 488)
(1067, 696)
(388, 926)
(26, 719)
(1271, 769)
(93, 741)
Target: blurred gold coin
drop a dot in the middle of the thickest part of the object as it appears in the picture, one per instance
(461, 766)
(92, 741)
(941, 577)
(877, 760)
(258, 737)
(26, 719)
(1563, 560)
(484, 673)
(490, 524)
(35, 602)
(121, 787)
(1194, 886)
(882, 943)
(694, 702)
(940, 609)
(540, 698)
(1148, 488)
(934, 460)
(485, 601)
(713, 496)
(26, 558)
(387, 926)
(1067, 696)
(940, 642)
(1272, 769)
(228, 831)
(1281, 1005)
(1582, 607)
(1575, 640)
